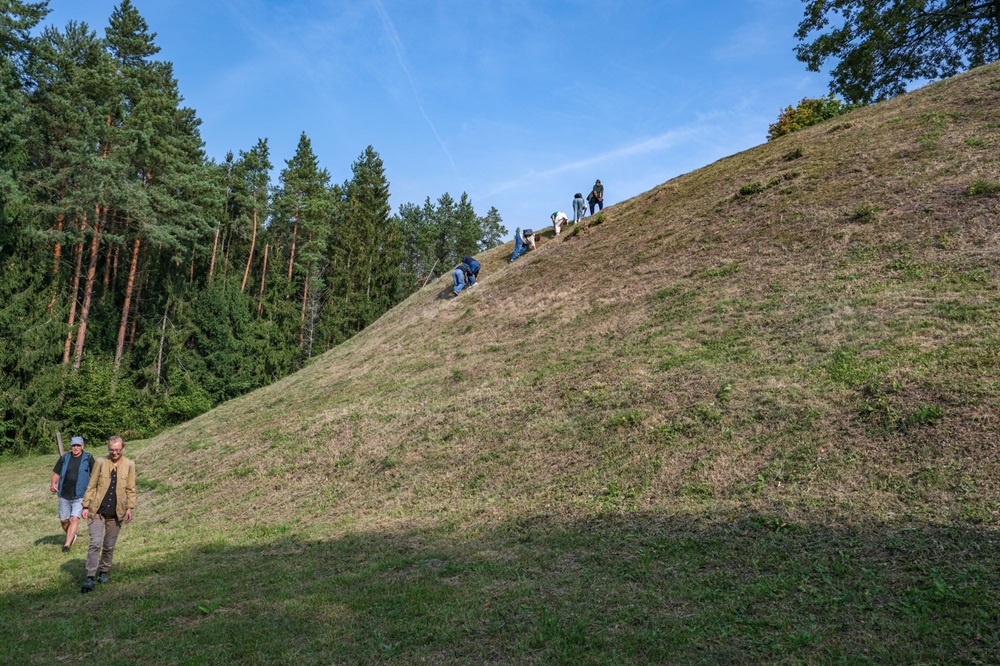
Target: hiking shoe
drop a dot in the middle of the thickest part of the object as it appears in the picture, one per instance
(88, 585)
(102, 577)
(65, 549)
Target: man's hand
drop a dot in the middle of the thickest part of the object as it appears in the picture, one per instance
(128, 516)
(84, 513)
(53, 488)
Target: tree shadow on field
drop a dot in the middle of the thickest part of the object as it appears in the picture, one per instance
(627, 589)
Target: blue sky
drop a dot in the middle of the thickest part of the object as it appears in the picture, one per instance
(520, 103)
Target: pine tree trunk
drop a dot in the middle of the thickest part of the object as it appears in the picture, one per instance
(107, 274)
(56, 256)
(211, 263)
(263, 277)
(163, 338)
(368, 287)
(114, 268)
(305, 297)
(135, 317)
(253, 242)
(109, 252)
(122, 324)
(78, 266)
(228, 244)
(88, 288)
(349, 283)
(295, 233)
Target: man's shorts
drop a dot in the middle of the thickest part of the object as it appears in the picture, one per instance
(70, 508)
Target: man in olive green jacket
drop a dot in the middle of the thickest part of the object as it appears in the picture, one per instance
(107, 505)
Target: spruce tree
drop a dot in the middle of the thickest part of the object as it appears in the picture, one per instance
(301, 224)
(491, 230)
(251, 199)
(372, 241)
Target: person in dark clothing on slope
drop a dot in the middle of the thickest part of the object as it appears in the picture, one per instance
(473, 268)
(462, 277)
(596, 197)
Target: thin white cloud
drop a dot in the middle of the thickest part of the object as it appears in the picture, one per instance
(397, 46)
(650, 145)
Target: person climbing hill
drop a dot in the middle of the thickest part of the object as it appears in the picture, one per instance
(523, 241)
(462, 276)
(596, 197)
(473, 268)
(579, 207)
(558, 219)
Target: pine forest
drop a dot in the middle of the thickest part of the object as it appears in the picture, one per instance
(142, 282)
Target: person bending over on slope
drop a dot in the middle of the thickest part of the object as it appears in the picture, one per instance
(523, 241)
(473, 268)
(579, 207)
(462, 276)
(558, 219)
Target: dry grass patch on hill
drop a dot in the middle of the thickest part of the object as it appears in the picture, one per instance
(752, 415)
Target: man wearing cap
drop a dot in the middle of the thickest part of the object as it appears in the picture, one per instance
(107, 505)
(70, 477)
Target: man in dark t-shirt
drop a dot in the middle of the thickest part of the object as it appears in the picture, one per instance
(70, 477)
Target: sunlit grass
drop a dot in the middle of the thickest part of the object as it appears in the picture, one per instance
(708, 429)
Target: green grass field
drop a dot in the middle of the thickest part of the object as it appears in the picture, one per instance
(752, 415)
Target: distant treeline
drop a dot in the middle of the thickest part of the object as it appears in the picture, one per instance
(142, 283)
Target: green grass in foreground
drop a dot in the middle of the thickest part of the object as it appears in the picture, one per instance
(710, 429)
(624, 588)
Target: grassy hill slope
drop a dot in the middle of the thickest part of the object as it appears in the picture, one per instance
(752, 414)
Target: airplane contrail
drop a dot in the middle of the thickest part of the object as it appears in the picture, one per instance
(397, 46)
(663, 141)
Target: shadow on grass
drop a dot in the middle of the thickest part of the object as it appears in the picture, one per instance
(632, 589)
(74, 566)
(449, 290)
(55, 539)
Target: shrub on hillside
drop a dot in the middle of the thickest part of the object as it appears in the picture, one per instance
(750, 189)
(809, 111)
(984, 187)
